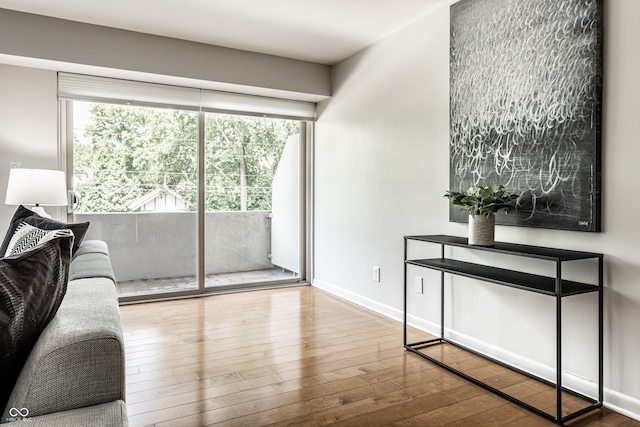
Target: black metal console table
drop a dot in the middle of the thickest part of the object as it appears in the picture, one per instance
(552, 286)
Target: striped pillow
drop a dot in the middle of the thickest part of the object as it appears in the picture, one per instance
(28, 237)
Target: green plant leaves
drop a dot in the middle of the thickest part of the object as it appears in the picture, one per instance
(483, 200)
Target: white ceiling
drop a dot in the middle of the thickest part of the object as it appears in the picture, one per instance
(322, 31)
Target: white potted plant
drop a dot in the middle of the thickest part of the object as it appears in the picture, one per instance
(482, 203)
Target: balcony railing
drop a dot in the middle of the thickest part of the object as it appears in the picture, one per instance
(164, 244)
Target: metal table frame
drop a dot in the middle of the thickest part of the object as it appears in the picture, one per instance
(554, 287)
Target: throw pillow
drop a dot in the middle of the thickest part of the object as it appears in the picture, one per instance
(32, 285)
(27, 237)
(32, 218)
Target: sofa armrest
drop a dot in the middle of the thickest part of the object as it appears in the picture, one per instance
(78, 359)
(92, 246)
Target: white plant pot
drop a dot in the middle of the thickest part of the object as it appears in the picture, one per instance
(482, 230)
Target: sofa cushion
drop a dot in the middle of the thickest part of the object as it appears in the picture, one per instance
(23, 214)
(32, 286)
(78, 360)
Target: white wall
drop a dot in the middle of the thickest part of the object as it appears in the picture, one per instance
(381, 172)
(28, 125)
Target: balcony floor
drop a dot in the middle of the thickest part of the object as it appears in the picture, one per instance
(153, 286)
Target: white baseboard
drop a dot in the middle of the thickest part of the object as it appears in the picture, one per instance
(613, 400)
(621, 403)
(370, 304)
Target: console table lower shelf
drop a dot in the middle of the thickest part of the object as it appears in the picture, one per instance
(536, 394)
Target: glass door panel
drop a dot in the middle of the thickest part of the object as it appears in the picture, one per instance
(135, 172)
(252, 200)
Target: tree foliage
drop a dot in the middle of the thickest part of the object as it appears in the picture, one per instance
(126, 152)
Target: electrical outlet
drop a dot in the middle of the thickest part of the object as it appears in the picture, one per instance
(13, 164)
(419, 284)
(376, 274)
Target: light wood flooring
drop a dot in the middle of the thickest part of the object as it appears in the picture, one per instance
(299, 356)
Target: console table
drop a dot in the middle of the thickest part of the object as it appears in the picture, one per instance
(555, 287)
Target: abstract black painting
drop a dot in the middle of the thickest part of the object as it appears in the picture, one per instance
(525, 107)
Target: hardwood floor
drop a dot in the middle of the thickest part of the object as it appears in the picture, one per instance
(299, 356)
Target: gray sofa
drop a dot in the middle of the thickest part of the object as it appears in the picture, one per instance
(75, 373)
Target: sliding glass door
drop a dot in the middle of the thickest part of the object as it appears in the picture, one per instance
(188, 201)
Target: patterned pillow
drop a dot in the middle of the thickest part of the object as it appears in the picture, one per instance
(27, 237)
(32, 285)
(23, 214)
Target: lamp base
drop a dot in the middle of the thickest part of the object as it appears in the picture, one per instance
(40, 211)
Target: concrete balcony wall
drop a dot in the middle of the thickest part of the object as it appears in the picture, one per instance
(163, 244)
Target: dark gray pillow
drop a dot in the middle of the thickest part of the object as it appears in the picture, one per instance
(32, 285)
(32, 218)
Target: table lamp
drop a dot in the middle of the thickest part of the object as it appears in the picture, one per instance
(37, 187)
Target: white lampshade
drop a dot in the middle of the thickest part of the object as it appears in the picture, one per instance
(39, 187)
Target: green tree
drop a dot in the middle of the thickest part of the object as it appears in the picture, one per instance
(128, 151)
(242, 155)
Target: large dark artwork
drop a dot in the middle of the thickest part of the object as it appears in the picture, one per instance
(526, 93)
